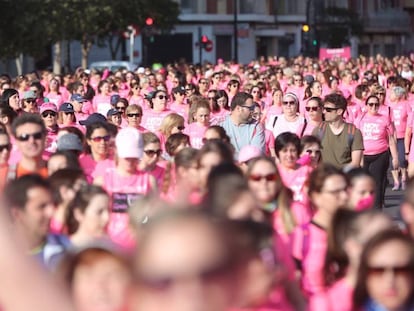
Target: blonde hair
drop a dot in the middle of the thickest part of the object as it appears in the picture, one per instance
(169, 122)
(199, 102)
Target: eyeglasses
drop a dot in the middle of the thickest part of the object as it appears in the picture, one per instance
(48, 114)
(268, 177)
(373, 104)
(120, 108)
(314, 108)
(291, 103)
(5, 147)
(396, 270)
(251, 108)
(162, 97)
(180, 128)
(98, 139)
(330, 109)
(26, 137)
(151, 153)
(30, 101)
(133, 115)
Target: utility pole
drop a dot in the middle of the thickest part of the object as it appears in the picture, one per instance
(235, 32)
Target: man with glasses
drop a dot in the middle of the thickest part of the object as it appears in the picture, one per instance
(29, 130)
(240, 126)
(342, 143)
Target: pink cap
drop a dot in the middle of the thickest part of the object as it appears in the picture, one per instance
(249, 152)
(48, 106)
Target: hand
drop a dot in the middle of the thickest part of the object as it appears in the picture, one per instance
(395, 163)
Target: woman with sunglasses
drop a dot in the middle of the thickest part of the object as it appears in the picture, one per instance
(379, 140)
(151, 158)
(98, 142)
(135, 96)
(289, 120)
(171, 124)
(386, 274)
(133, 115)
(153, 117)
(48, 111)
(313, 114)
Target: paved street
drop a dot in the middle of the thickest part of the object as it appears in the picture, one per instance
(392, 201)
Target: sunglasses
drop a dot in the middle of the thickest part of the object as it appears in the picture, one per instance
(5, 147)
(398, 271)
(291, 103)
(69, 113)
(120, 108)
(162, 97)
(30, 101)
(268, 177)
(26, 137)
(132, 115)
(48, 114)
(151, 153)
(330, 109)
(315, 108)
(180, 128)
(98, 139)
(373, 104)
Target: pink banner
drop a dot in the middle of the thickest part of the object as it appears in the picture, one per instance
(344, 53)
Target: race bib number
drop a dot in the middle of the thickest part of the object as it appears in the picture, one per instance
(122, 201)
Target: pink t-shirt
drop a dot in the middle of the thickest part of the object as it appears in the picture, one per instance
(353, 111)
(151, 120)
(218, 117)
(295, 180)
(136, 100)
(341, 291)
(101, 104)
(310, 243)
(272, 112)
(400, 111)
(123, 190)
(88, 165)
(180, 109)
(196, 132)
(55, 98)
(87, 108)
(375, 130)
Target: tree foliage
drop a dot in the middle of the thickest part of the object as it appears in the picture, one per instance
(29, 26)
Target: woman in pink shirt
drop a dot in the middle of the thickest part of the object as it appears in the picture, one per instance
(101, 103)
(151, 156)
(328, 188)
(350, 231)
(152, 118)
(276, 106)
(379, 139)
(199, 121)
(54, 95)
(313, 114)
(135, 96)
(133, 115)
(171, 124)
(222, 111)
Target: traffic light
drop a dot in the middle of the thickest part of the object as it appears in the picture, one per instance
(204, 41)
(149, 21)
(305, 28)
(314, 42)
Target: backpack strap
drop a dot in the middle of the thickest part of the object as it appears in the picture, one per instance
(321, 130)
(274, 122)
(305, 124)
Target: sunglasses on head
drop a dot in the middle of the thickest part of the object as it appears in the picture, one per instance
(26, 137)
(97, 139)
(151, 153)
(268, 177)
(5, 147)
(315, 108)
(133, 115)
(48, 114)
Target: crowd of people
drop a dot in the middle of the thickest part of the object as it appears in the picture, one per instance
(214, 187)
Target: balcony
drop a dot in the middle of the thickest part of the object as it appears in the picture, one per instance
(387, 21)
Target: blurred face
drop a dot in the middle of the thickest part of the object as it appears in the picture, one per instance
(288, 156)
(56, 163)
(5, 148)
(127, 164)
(105, 89)
(211, 134)
(14, 101)
(116, 119)
(222, 102)
(50, 118)
(255, 93)
(314, 151)
(257, 114)
(313, 110)
(246, 110)
(30, 105)
(160, 101)
(263, 181)
(100, 283)
(316, 89)
(362, 188)
(134, 118)
(167, 278)
(373, 105)
(30, 140)
(151, 153)
(67, 118)
(95, 218)
(99, 142)
(289, 106)
(331, 113)
(389, 279)
(77, 106)
(277, 97)
(333, 194)
(207, 162)
(179, 128)
(202, 116)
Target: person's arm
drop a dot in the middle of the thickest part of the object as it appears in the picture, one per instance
(357, 149)
(356, 158)
(258, 138)
(407, 139)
